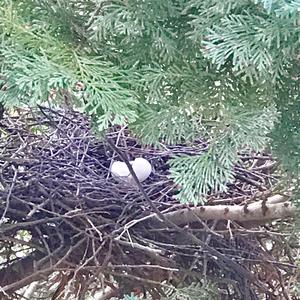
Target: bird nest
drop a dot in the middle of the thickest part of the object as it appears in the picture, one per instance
(86, 230)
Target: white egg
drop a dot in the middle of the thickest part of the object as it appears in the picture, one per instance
(119, 169)
(141, 167)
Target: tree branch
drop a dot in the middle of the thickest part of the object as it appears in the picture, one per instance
(20, 270)
(274, 208)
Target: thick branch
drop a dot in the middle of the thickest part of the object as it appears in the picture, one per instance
(261, 210)
(35, 266)
(20, 270)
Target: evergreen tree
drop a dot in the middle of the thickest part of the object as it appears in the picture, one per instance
(222, 71)
(218, 70)
(174, 71)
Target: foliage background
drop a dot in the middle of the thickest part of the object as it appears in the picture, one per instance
(173, 70)
(225, 71)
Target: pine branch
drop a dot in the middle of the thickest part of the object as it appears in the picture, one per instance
(281, 8)
(38, 65)
(256, 45)
(140, 31)
(212, 171)
(167, 125)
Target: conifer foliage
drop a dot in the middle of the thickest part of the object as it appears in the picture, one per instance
(173, 72)
(192, 68)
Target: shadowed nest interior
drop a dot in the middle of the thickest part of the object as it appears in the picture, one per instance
(96, 232)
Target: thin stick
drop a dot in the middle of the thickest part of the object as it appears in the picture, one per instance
(9, 194)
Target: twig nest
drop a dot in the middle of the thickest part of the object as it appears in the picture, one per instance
(141, 167)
